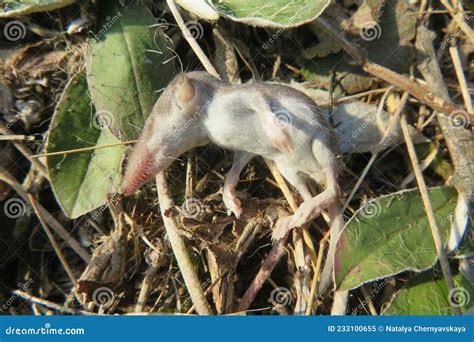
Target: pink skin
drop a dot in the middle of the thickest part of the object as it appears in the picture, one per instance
(141, 168)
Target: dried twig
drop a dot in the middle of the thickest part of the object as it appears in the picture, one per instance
(52, 222)
(453, 50)
(459, 19)
(267, 267)
(16, 137)
(155, 259)
(51, 305)
(51, 238)
(25, 151)
(314, 283)
(84, 149)
(421, 92)
(190, 39)
(179, 249)
(443, 259)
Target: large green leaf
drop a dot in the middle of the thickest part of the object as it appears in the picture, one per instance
(391, 234)
(126, 66)
(423, 295)
(276, 13)
(81, 181)
(20, 7)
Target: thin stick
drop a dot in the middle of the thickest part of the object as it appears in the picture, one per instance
(84, 149)
(263, 273)
(147, 282)
(453, 51)
(459, 19)
(179, 249)
(314, 283)
(443, 259)
(190, 39)
(51, 238)
(25, 151)
(422, 92)
(360, 180)
(16, 137)
(359, 95)
(51, 305)
(53, 223)
(368, 300)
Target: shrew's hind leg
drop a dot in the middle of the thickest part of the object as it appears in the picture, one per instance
(312, 207)
(229, 196)
(298, 181)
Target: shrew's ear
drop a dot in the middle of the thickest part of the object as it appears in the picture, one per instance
(186, 91)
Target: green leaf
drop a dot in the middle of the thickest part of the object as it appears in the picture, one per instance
(423, 295)
(126, 66)
(390, 235)
(276, 13)
(20, 7)
(81, 181)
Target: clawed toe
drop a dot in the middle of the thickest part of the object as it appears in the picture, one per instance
(232, 203)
